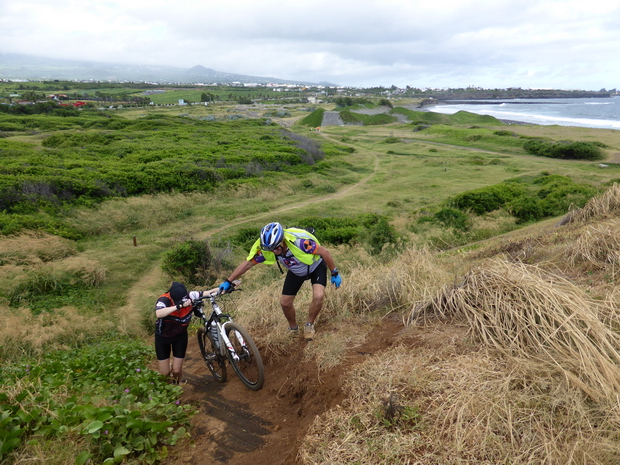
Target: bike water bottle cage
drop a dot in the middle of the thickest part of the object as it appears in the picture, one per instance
(271, 236)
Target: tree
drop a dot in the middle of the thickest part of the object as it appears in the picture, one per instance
(344, 101)
(207, 97)
(32, 96)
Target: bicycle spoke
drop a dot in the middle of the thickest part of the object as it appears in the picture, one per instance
(248, 365)
(214, 361)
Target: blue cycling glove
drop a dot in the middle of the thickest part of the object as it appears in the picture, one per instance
(336, 279)
(225, 286)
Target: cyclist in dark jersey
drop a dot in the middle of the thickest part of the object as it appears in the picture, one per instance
(174, 313)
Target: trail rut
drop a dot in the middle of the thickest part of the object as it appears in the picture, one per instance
(237, 426)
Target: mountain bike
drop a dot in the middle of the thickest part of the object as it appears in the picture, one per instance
(221, 339)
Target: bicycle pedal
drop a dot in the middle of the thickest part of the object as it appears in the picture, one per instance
(211, 357)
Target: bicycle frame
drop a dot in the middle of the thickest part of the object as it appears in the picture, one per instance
(233, 344)
(217, 315)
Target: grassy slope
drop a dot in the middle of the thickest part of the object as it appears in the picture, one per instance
(395, 178)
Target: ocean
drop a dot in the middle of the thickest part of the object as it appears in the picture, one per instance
(583, 112)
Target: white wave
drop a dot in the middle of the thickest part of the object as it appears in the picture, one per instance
(528, 117)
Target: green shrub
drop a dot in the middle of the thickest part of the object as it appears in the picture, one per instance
(525, 209)
(487, 199)
(245, 237)
(78, 139)
(561, 199)
(380, 234)
(333, 230)
(190, 262)
(453, 218)
(564, 149)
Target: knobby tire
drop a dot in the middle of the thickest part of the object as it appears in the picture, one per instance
(249, 368)
(217, 365)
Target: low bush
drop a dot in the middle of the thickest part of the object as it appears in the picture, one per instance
(487, 199)
(370, 230)
(190, 262)
(452, 218)
(564, 149)
(380, 234)
(525, 209)
(100, 402)
(527, 200)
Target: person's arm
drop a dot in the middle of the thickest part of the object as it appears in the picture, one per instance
(165, 311)
(336, 279)
(324, 253)
(241, 269)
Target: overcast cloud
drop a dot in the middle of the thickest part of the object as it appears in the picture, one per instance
(567, 44)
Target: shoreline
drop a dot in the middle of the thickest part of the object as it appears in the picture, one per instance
(512, 122)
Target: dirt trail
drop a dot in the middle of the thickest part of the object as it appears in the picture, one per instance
(237, 426)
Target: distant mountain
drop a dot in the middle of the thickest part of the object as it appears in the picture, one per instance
(19, 66)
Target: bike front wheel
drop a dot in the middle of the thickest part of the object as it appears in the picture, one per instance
(215, 362)
(249, 367)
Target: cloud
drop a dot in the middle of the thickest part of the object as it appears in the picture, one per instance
(445, 43)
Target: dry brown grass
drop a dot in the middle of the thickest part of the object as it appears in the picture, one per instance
(373, 287)
(328, 348)
(608, 203)
(521, 310)
(442, 407)
(537, 379)
(29, 334)
(370, 290)
(595, 246)
(22, 332)
(33, 248)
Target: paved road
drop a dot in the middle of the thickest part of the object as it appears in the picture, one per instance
(332, 118)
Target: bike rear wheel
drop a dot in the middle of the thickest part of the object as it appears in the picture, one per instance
(249, 367)
(215, 362)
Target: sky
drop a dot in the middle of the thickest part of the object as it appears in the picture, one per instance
(560, 44)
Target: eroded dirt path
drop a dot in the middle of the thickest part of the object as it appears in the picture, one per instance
(237, 426)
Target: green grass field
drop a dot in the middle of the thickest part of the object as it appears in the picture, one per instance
(71, 273)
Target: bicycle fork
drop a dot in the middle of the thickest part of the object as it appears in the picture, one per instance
(221, 327)
(224, 337)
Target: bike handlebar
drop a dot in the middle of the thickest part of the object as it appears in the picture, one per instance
(215, 294)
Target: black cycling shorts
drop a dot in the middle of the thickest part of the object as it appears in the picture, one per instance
(292, 282)
(178, 344)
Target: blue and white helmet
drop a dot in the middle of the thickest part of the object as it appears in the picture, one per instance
(271, 236)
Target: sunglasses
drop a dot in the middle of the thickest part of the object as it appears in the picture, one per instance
(280, 246)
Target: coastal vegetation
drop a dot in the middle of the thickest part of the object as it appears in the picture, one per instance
(446, 223)
(565, 149)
